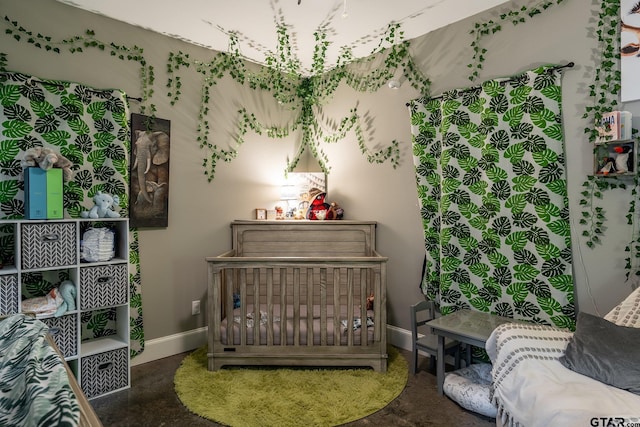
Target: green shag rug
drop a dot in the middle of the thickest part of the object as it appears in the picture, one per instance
(287, 397)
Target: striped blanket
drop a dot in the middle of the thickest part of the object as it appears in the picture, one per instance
(34, 385)
(532, 388)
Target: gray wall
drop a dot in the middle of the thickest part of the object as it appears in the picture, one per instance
(172, 259)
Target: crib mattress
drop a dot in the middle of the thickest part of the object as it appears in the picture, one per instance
(288, 326)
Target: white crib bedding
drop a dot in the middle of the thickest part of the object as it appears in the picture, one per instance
(531, 387)
(317, 325)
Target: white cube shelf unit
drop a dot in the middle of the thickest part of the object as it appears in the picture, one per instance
(52, 248)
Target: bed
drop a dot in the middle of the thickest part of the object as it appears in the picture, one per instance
(298, 293)
(532, 387)
(38, 387)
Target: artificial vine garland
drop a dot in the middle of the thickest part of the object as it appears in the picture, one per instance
(481, 29)
(77, 44)
(604, 91)
(283, 76)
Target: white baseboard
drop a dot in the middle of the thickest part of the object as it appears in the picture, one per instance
(399, 337)
(160, 348)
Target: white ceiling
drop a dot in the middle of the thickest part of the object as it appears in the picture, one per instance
(208, 22)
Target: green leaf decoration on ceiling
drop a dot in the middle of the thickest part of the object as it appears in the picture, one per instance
(299, 90)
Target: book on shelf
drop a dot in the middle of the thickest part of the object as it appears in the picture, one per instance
(625, 125)
(614, 126)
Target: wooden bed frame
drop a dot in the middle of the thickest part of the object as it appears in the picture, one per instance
(275, 272)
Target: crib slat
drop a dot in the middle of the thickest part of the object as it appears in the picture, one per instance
(310, 331)
(215, 286)
(256, 306)
(336, 307)
(283, 306)
(323, 306)
(229, 304)
(241, 275)
(364, 332)
(296, 306)
(269, 325)
(377, 305)
(350, 318)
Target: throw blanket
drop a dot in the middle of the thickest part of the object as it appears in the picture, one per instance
(532, 388)
(34, 386)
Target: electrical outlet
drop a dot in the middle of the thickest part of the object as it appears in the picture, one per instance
(195, 307)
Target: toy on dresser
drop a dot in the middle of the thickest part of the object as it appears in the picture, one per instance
(319, 209)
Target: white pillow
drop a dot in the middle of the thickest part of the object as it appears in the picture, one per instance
(470, 388)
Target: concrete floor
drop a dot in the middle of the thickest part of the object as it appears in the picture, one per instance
(151, 401)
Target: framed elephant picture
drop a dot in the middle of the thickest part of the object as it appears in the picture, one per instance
(149, 171)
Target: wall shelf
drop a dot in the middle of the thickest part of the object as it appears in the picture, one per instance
(609, 162)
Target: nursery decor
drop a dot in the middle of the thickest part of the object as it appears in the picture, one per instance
(300, 90)
(46, 158)
(150, 149)
(286, 397)
(629, 49)
(606, 90)
(490, 171)
(103, 206)
(89, 127)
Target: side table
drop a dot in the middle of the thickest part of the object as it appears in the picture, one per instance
(466, 326)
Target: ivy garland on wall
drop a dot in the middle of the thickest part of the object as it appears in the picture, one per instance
(88, 40)
(481, 29)
(605, 91)
(283, 76)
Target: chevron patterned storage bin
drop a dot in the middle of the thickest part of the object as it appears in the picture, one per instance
(8, 294)
(103, 286)
(48, 245)
(64, 330)
(104, 372)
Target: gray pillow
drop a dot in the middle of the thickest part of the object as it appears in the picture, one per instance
(605, 352)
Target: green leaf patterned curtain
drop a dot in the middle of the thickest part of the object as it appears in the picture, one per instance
(490, 171)
(91, 128)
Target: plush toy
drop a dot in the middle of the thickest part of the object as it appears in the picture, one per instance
(103, 208)
(320, 209)
(623, 160)
(46, 159)
(370, 300)
(607, 166)
(67, 291)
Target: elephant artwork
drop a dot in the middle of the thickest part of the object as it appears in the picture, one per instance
(149, 178)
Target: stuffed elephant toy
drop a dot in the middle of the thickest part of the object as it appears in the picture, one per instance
(103, 208)
(68, 292)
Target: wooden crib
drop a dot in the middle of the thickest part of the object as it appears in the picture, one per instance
(296, 293)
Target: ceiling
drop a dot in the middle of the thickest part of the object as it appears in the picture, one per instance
(358, 24)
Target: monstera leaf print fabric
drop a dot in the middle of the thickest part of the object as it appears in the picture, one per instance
(91, 128)
(490, 170)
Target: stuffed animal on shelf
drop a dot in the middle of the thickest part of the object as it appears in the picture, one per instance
(46, 159)
(103, 208)
(67, 291)
(607, 166)
(624, 161)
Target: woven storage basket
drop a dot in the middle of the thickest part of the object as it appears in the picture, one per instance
(48, 245)
(103, 286)
(105, 372)
(64, 331)
(8, 294)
